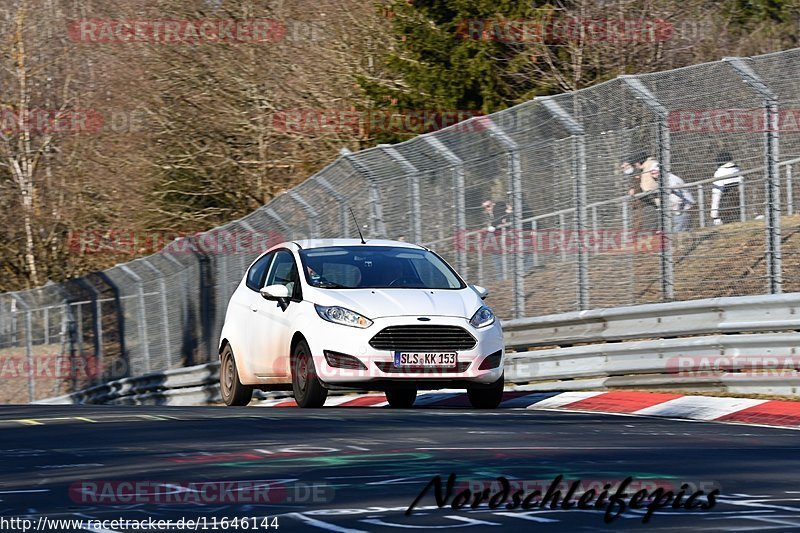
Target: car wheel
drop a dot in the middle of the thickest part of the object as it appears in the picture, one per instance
(401, 398)
(488, 398)
(308, 390)
(231, 389)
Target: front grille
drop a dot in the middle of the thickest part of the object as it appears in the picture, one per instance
(389, 368)
(423, 338)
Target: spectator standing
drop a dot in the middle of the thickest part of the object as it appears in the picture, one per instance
(725, 205)
(681, 199)
(643, 190)
(491, 243)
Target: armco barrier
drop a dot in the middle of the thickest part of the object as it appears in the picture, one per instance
(748, 314)
(746, 345)
(736, 345)
(196, 385)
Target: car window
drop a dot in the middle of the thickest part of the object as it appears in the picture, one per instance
(430, 275)
(376, 267)
(284, 272)
(255, 276)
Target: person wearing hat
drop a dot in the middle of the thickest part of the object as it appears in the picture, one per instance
(725, 191)
(644, 215)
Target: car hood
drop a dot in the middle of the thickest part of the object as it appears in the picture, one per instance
(378, 303)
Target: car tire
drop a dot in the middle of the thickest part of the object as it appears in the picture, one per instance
(487, 398)
(401, 398)
(307, 388)
(231, 389)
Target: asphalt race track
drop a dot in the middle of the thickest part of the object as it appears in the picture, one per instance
(359, 469)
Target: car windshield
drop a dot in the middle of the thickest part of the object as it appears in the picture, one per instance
(377, 267)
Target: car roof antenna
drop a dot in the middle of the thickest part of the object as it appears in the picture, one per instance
(357, 226)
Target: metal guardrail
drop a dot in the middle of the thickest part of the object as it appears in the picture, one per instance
(741, 314)
(746, 345)
(195, 385)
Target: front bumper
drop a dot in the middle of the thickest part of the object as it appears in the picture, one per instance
(380, 372)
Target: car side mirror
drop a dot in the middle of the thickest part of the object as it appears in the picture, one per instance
(483, 292)
(275, 292)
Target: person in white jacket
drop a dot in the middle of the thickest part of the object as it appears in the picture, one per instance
(681, 199)
(725, 191)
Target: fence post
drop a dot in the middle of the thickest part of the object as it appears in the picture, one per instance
(313, 216)
(344, 216)
(459, 189)
(577, 133)
(626, 226)
(742, 202)
(771, 170)
(72, 341)
(46, 325)
(28, 345)
(181, 270)
(142, 315)
(97, 323)
(664, 153)
(377, 226)
(701, 202)
(515, 172)
(208, 309)
(14, 322)
(162, 287)
(414, 195)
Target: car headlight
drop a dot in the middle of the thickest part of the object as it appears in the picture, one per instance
(343, 316)
(482, 317)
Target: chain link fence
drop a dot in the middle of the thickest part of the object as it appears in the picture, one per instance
(568, 229)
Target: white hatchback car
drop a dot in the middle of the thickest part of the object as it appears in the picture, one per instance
(314, 315)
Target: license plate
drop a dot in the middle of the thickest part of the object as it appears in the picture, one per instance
(425, 359)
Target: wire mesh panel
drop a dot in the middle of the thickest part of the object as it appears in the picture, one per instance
(395, 194)
(547, 190)
(725, 259)
(160, 290)
(779, 73)
(292, 215)
(620, 226)
(486, 178)
(132, 316)
(7, 322)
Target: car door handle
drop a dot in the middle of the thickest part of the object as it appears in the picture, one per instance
(254, 309)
